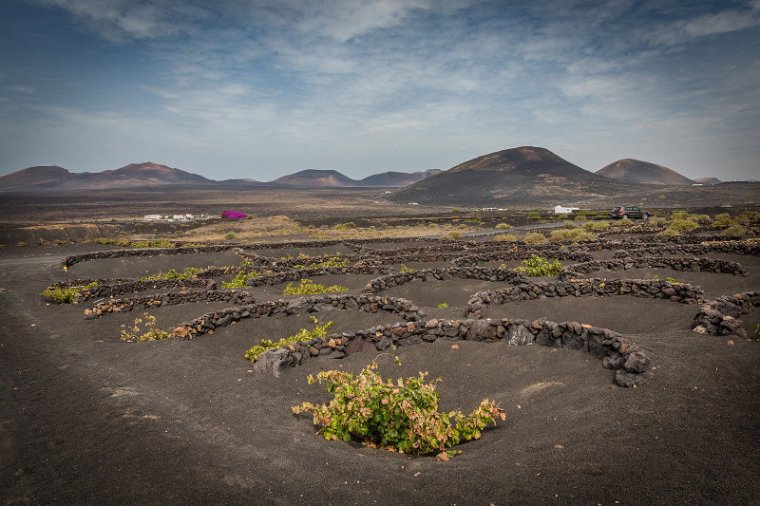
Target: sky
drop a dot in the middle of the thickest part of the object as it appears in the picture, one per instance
(262, 88)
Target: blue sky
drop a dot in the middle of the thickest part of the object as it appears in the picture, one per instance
(258, 89)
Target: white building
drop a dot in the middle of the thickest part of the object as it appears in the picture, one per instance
(565, 210)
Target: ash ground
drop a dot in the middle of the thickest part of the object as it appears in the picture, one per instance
(88, 419)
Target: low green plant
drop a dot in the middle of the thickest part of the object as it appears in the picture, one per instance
(537, 266)
(345, 226)
(534, 215)
(534, 238)
(229, 236)
(187, 273)
(143, 329)
(722, 220)
(68, 295)
(443, 305)
(757, 333)
(404, 269)
(502, 226)
(309, 287)
(152, 243)
(303, 335)
(240, 279)
(399, 415)
(455, 235)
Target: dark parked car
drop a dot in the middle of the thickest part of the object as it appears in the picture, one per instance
(632, 212)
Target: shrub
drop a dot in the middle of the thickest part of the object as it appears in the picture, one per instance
(671, 232)
(69, 295)
(318, 332)
(534, 238)
(152, 243)
(187, 273)
(534, 215)
(455, 235)
(148, 332)
(399, 415)
(683, 225)
(240, 279)
(657, 221)
(229, 236)
(2, 246)
(345, 226)
(22, 244)
(537, 266)
(404, 269)
(734, 231)
(757, 333)
(596, 226)
(443, 305)
(723, 220)
(502, 226)
(505, 238)
(309, 287)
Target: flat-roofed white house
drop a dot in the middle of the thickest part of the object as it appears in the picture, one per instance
(565, 210)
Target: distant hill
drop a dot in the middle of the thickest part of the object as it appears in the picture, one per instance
(629, 170)
(316, 178)
(398, 179)
(147, 174)
(526, 175)
(707, 180)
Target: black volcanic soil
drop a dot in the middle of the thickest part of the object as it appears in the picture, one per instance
(87, 419)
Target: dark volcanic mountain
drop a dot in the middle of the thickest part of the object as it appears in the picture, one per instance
(135, 175)
(629, 170)
(316, 178)
(398, 179)
(525, 176)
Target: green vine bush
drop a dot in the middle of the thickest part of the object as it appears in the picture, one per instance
(405, 269)
(143, 329)
(318, 332)
(187, 273)
(68, 295)
(399, 415)
(309, 287)
(537, 266)
(534, 238)
(335, 261)
(240, 279)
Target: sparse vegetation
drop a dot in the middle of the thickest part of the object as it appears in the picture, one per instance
(455, 235)
(571, 234)
(399, 415)
(757, 333)
(404, 269)
(229, 236)
(22, 244)
(69, 295)
(309, 287)
(443, 305)
(142, 243)
(350, 225)
(143, 329)
(303, 335)
(502, 226)
(537, 266)
(240, 279)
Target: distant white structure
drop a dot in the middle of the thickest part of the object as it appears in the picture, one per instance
(175, 218)
(489, 209)
(152, 217)
(565, 210)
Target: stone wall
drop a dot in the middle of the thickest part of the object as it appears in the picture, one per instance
(653, 289)
(206, 323)
(382, 283)
(676, 263)
(721, 316)
(616, 352)
(126, 304)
